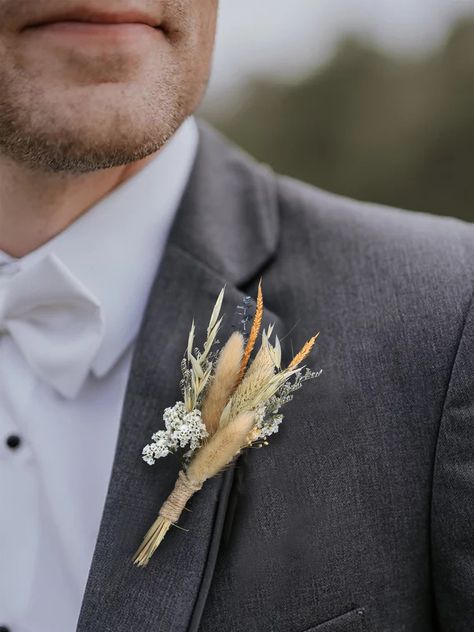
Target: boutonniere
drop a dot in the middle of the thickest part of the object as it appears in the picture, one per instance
(229, 403)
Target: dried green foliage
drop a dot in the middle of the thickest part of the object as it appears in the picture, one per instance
(197, 365)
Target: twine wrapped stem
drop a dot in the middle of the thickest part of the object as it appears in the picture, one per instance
(169, 514)
(174, 505)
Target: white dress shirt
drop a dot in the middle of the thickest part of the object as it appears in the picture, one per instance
(54, 482)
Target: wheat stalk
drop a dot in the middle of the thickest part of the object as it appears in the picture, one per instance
(303, 353)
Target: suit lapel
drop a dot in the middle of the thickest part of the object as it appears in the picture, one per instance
(225, 232)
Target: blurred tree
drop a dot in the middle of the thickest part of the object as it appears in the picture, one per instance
(399, 131)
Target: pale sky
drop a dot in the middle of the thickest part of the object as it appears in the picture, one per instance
(288, 36)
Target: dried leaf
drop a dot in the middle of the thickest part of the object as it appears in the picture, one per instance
(191, 340)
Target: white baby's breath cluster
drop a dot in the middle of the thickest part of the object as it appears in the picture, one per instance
(182, 429)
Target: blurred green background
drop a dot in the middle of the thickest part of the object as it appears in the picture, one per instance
(389, 127)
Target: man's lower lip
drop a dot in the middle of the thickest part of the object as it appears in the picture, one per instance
(94, 29)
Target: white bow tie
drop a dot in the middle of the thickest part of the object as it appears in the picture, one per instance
(54, 320)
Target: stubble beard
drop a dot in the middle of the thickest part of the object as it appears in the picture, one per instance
(78, 137)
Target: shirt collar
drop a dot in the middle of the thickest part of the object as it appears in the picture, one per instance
(115, 248)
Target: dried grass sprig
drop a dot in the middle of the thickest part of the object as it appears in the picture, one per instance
(198, 370)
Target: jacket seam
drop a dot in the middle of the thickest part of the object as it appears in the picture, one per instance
(470, 306)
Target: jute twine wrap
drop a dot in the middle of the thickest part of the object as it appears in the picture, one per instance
(173, 506)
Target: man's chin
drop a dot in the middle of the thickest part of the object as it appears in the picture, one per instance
(84, 136)
(87, 161)
(62, 126)
(79, 151)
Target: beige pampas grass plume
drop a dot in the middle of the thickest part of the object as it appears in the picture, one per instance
(220, 449)
(224, 381)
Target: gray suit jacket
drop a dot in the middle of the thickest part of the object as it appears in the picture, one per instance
(359, 516)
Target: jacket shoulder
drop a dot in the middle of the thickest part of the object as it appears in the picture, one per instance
(375, 240)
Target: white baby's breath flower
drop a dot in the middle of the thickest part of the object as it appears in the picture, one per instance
(182, 429)
(147, 455)
(154, 451)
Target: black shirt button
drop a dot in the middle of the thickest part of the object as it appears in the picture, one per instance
(13, 442)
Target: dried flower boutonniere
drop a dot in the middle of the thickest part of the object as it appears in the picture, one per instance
(229, 403)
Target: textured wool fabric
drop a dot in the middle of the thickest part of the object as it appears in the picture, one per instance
(359, 514)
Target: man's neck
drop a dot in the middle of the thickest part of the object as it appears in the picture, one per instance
(35, 206)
